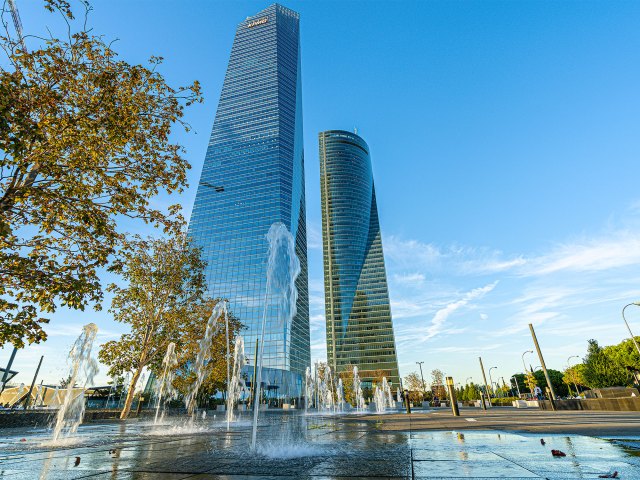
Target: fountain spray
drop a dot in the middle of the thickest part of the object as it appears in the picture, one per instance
(308, 389)
(72, 409)
(357, 390)
(164, 388)
(204, 356)
(237, 383)
(283, 268)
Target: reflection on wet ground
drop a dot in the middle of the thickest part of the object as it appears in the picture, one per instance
(314, 447)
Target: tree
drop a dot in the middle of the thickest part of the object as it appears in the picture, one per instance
(437, 377)
(64, 382)
(601, 369)
(377, 376)
(84, 140)
(556, 380)
(163, 298)
(531, 381)
(346, 376)
(471, 392)
(573, 376)
(624, 354)
(413, 383)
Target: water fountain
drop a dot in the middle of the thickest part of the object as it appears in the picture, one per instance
(383, 396)
(113, 389)
(331, 401)
(309, 388)
(325, 391)
(379, 399)
(72, 409)
(164, 387)
(55, 399)
(38, 396)
(139, 386)
(340, 396)
(125, 388)
(204, 356)
(283, 267)
(18, 395)
(386, 386)
(237, 384)
(357, 390)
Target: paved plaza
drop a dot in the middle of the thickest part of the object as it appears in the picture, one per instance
(423, 445)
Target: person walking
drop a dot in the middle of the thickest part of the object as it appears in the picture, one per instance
(537, 392)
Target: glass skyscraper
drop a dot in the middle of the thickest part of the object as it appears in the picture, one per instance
(253, 176)
(359, 326)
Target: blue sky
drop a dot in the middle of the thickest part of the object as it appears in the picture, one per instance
(505, 146)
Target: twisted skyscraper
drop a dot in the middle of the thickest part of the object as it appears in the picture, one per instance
(359, 327)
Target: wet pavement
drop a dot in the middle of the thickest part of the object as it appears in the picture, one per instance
(315, 447)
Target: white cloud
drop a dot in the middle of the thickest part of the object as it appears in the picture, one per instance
(443, 314)
(409, 278)
(410, 251)
(316, 302)
(317, 322)
(408, 335)
(620, 249)
(634, 207)
(314, 236)
(456, 259)
(483, 316)
(470, 349)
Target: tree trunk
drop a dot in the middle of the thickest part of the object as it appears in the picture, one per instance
(130, 393)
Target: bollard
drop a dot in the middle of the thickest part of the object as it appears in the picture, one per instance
(406, 399)
(550, 397)
(482, 401)
(452, 397)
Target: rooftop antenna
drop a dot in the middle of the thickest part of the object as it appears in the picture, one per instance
(355, 130)
(17, 23)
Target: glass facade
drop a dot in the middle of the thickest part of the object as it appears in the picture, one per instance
(359, 326)
(253, 176)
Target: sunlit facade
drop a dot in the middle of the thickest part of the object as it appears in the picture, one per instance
(253, 176)
(359, 326)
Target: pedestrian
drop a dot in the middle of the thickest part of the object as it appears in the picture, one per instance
(537, 392)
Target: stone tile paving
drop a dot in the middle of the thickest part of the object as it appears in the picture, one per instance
(313, 447)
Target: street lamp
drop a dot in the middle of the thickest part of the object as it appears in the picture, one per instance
(523, 364)
(467, 380)
(515, 380)
(627, 324)
(424, 386)
(491, 381)
(568, 367)
(535, 369)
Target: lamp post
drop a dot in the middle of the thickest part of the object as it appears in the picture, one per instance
(543, 365)
(486, 387)
(517, 386)
(424, 386)
(467, 380)
(633, 339)
(568, 367)
(523, 364)
(491, 381)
